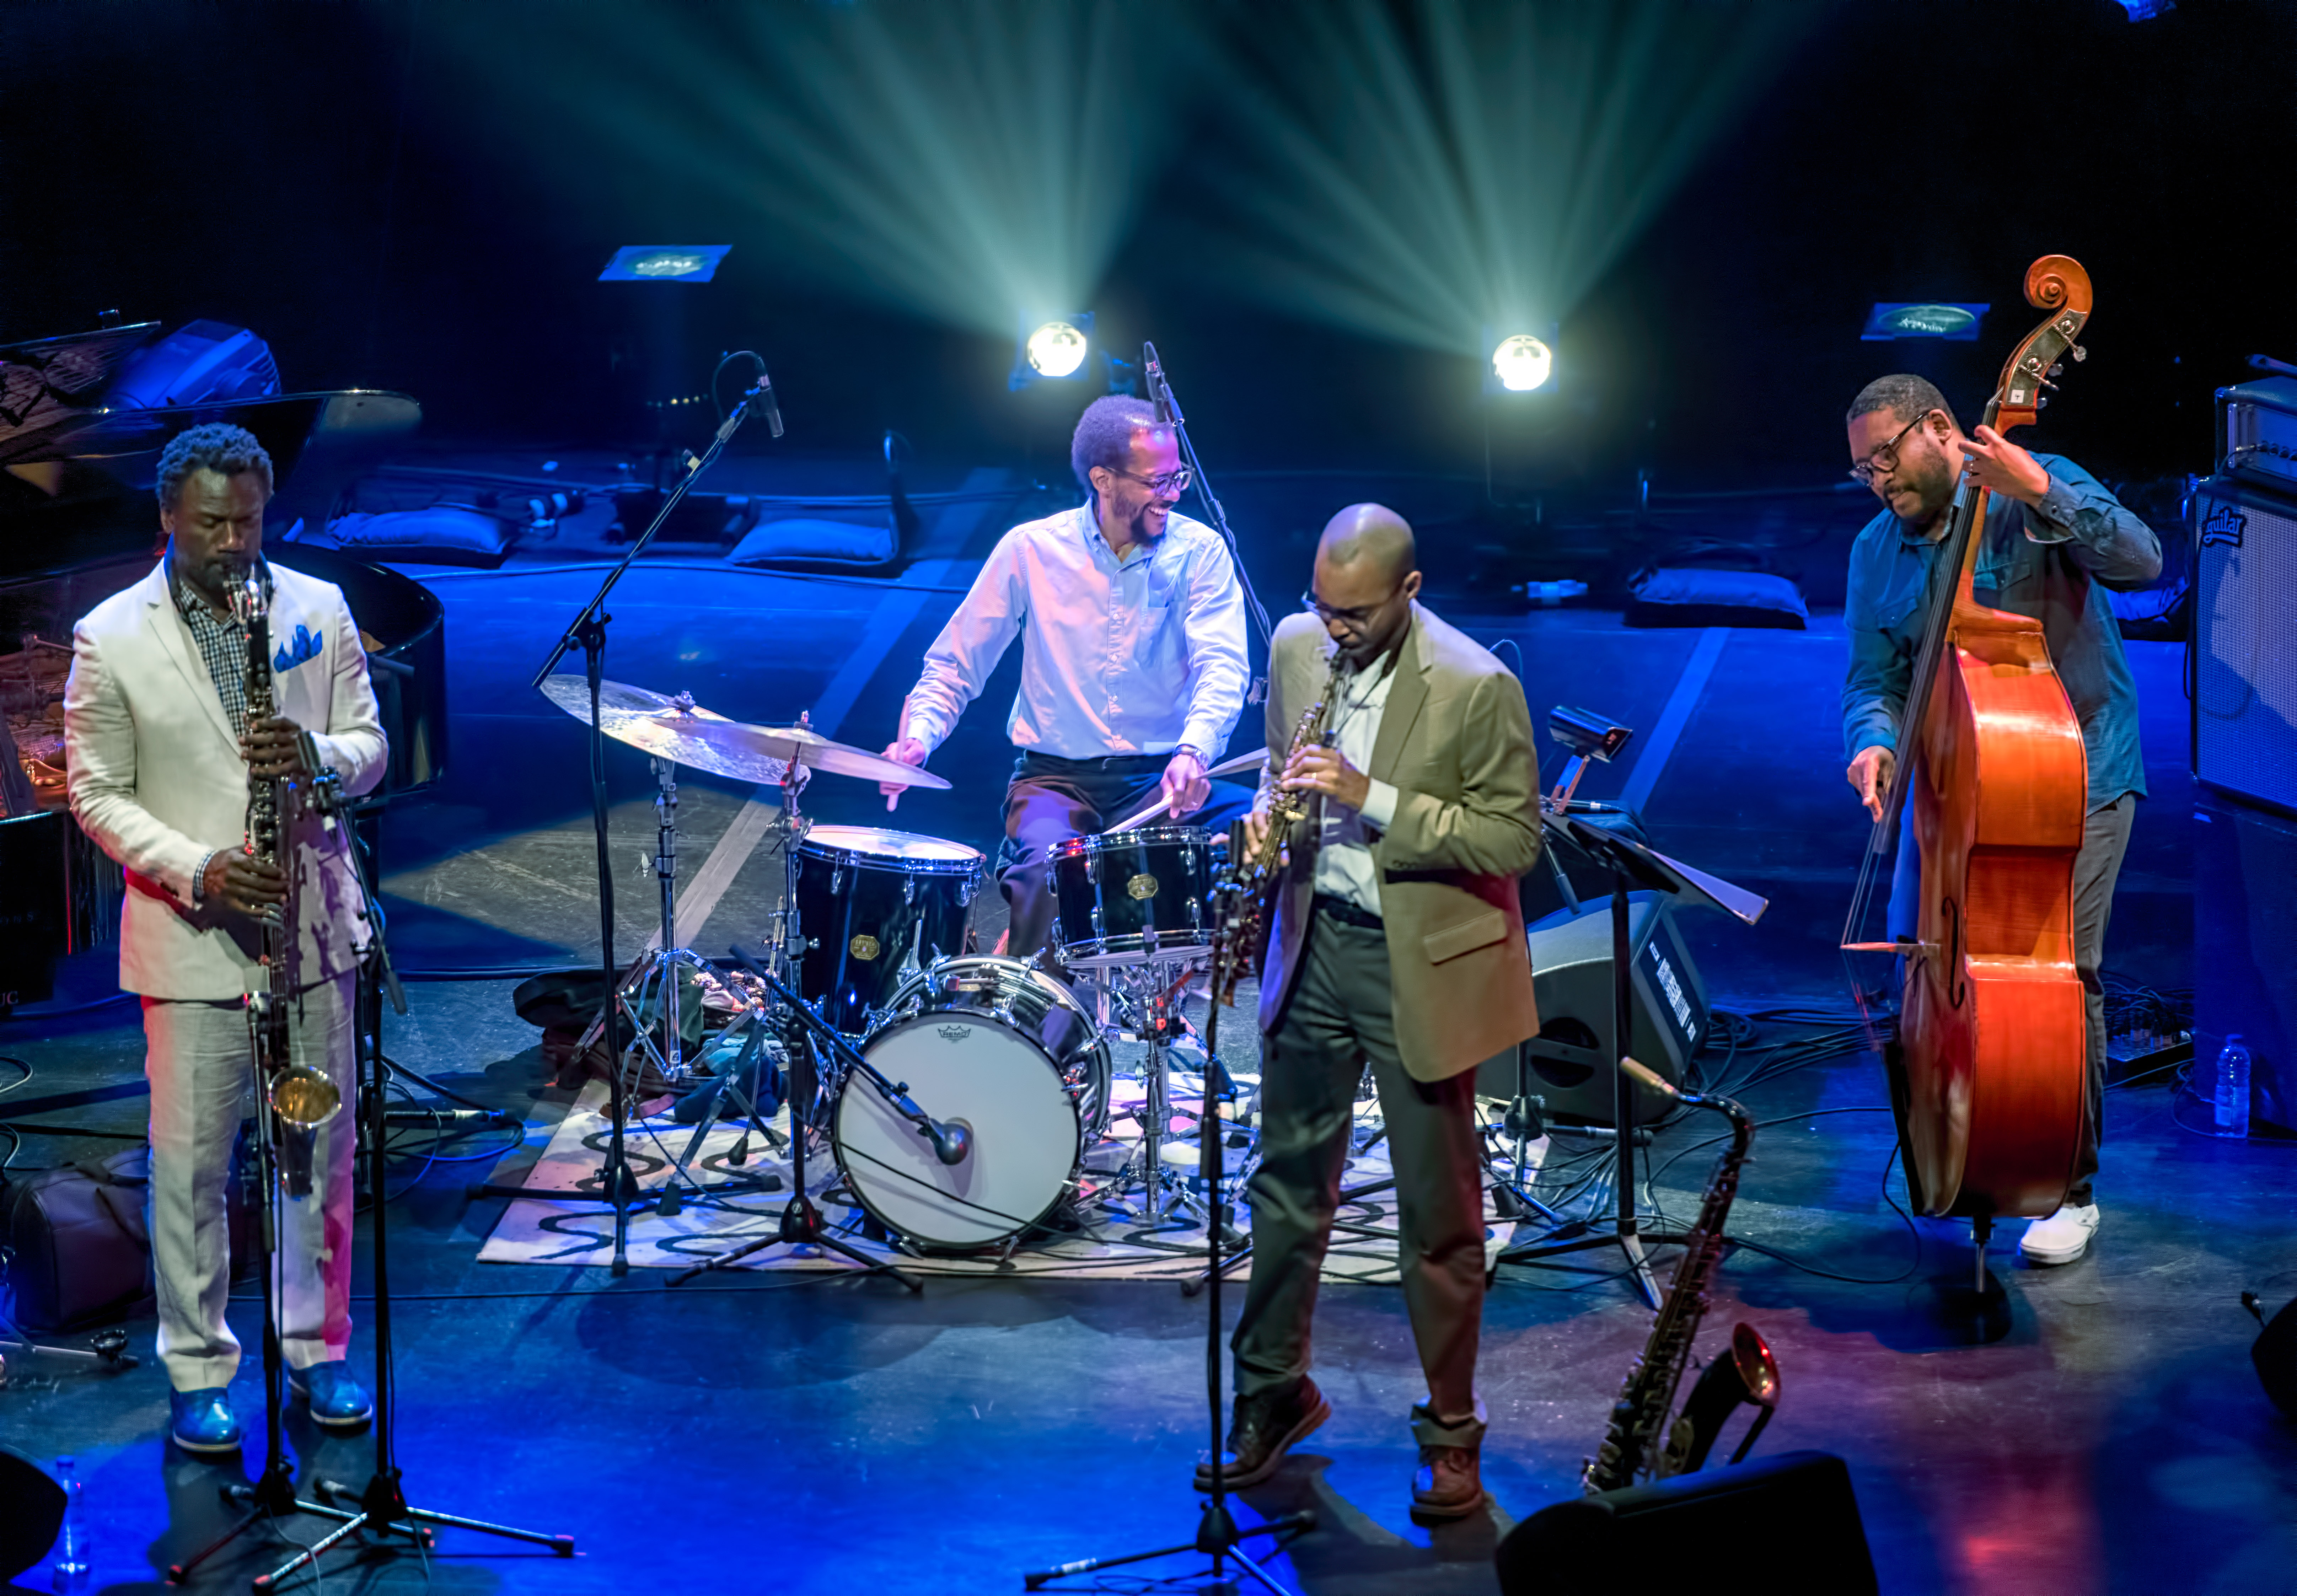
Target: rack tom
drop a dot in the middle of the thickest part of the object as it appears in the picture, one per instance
(1130, 896)
(873, 905)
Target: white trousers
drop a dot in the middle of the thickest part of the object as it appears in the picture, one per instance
(198, 1058)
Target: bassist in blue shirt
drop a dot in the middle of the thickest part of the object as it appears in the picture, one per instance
(2054, 542)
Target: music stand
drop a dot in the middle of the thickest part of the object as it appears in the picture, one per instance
(1628, 861)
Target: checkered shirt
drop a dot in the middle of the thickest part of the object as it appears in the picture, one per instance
(223, 644)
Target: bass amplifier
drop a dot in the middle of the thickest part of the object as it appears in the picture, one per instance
(2244, 678)
(2246, 952)
(2257, 432)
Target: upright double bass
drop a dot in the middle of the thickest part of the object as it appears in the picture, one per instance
(1990, 1077)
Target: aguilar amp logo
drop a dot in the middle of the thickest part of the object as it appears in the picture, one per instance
(2224, 526)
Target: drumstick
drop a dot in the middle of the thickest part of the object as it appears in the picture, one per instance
(1227, 766)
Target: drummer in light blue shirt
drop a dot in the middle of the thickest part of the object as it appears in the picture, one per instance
(2054, 541)
(1133, 668)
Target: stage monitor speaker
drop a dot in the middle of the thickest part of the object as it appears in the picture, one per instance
(2246, 952)
(31, 1513)
(1571, 974)
(2245, 713)
(1787, 1523)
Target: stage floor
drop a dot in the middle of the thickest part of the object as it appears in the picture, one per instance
(810, 1432)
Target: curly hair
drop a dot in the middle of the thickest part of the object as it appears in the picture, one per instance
(1904, 395)
(1104, 434)
(218, 447)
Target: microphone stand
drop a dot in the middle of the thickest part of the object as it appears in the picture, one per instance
(618, 1186)
(800, 1224)
(1217, 1534)
(1168, 411)
(382, 1506)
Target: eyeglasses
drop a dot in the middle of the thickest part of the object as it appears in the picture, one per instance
(1885, 458)
(1169, 484)
(1358, 616)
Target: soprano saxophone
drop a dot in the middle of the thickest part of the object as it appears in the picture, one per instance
(300, 1099)
(1256, 869)
(1640, 1442)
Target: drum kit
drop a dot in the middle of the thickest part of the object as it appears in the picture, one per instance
(1012, 1059)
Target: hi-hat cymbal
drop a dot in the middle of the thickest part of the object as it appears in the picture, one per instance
(684, 733)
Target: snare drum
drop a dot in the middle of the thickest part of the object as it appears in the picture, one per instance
(873, 905)
(1130, 896)
(1002, 1049)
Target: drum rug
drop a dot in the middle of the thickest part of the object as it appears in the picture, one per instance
(1113, 1238)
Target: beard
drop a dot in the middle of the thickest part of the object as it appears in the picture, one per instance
(1931, 480)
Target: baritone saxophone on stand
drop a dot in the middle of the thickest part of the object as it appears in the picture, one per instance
(300, 1099)
(1640, 1443)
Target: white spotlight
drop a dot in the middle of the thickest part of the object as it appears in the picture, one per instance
(1522, 363)
(1056, 350)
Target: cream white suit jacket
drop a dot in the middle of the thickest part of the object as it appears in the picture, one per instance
(157, 780)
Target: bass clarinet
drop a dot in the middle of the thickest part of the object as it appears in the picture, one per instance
(1640, 1442)
(300, 1099)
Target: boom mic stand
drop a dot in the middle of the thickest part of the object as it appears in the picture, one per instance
(1217, 1534)
(1168, 410)
(587, 631)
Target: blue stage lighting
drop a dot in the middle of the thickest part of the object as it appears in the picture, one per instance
(1052, 349)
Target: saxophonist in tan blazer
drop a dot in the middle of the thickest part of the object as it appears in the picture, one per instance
(1397, 940)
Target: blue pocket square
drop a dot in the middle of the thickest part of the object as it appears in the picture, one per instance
(302, 646)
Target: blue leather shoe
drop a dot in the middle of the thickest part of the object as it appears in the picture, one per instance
(338, 1400)
(202, 1422)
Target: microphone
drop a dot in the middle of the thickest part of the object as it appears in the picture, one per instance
(1168, 409)
(952, 1143)
(765, 391)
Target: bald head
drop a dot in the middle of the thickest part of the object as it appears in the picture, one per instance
(1367, 572)
(1372, 537)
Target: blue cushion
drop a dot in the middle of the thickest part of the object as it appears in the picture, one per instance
(442, 535)
(801, 543)
(1691, 596)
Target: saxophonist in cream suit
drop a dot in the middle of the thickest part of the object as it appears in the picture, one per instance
(159, 753)
(1397, 942)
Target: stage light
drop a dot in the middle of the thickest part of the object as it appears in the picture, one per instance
(1056, 350)
(1896, 318)
(1053, 348)
(1522, 363)
(665, 263)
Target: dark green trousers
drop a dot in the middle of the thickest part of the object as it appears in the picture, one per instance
(1339, 1017)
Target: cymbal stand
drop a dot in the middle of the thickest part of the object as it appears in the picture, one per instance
(1156, 986)
(619, 1187)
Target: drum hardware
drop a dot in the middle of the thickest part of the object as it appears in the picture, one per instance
(805, 1035)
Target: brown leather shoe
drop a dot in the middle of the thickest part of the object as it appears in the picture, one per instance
(1450, 1483)
(1262, 1430)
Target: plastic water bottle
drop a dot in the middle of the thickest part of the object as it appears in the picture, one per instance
(2233, 1087)
(69, 1572)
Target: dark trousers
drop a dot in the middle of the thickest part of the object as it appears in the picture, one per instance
(1339, 1017)
(1050, 800)
(2105, 838)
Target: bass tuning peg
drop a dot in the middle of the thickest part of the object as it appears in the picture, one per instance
(2059, 369)
(2080, 353)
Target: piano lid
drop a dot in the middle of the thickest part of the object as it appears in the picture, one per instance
(47, 383)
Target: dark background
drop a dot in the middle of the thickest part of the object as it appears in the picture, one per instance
(365, 184)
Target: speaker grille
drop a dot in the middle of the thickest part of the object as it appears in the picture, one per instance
(2245, 659)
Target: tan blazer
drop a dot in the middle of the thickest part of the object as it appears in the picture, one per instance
(1455, 742)
(156, 780)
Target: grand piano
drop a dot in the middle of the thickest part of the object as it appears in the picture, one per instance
(78, 451)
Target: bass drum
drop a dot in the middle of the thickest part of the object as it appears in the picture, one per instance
(1006, 1051)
